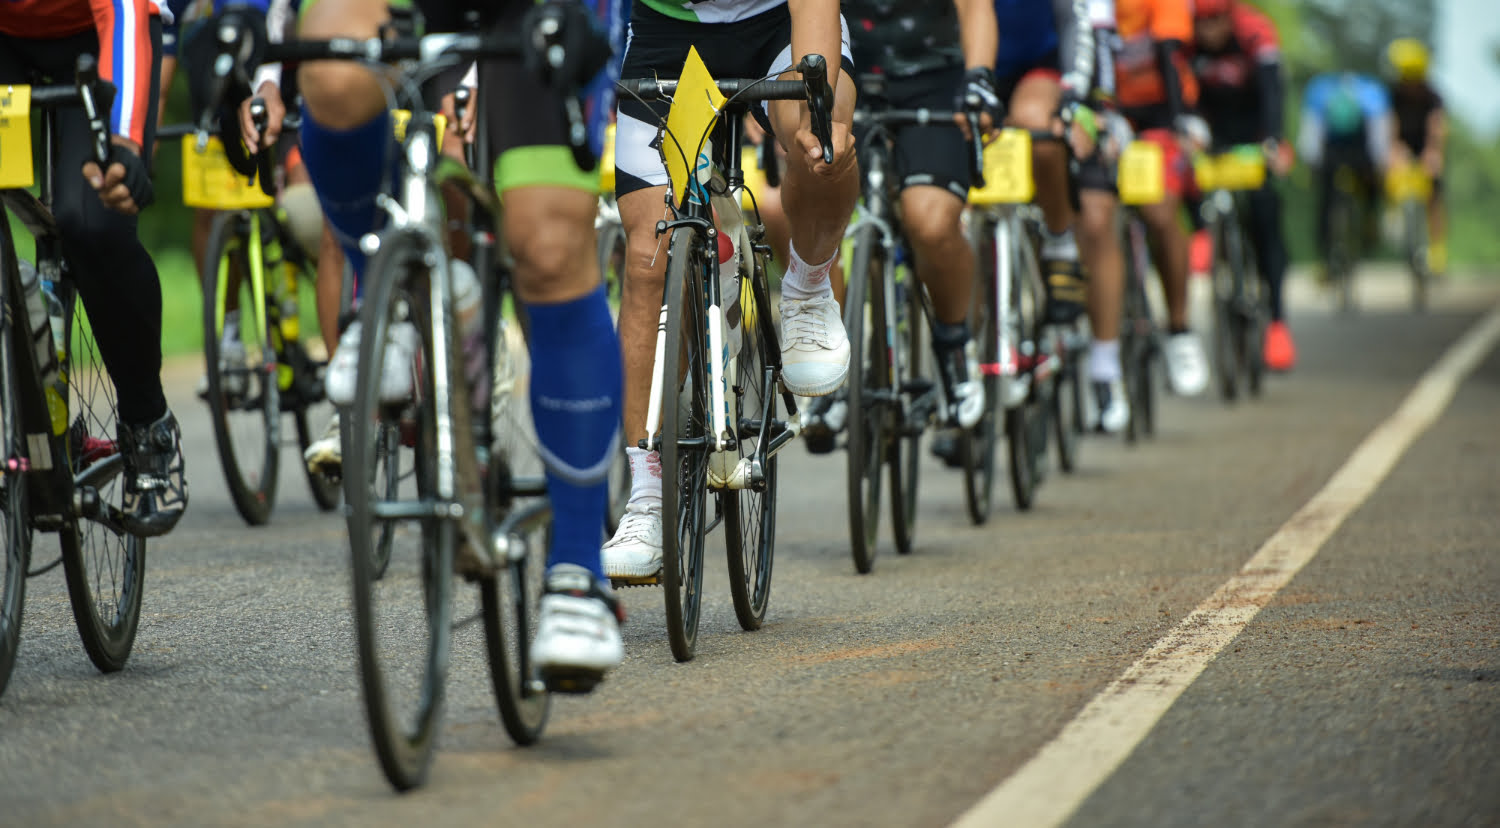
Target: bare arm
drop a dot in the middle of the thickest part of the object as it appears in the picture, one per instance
(978, 33)
(816, 30)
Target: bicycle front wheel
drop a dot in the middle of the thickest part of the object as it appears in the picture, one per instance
(243, 397)
(750, 513)
(106, 570)
(978, 444)
(871, 394)
(685, 441)
(402, 619)
(1228, 330)
(15, 529)
(903, 451)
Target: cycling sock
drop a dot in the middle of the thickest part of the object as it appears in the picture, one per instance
(576, 388)
(1177, 330)
(946, 337)
(348, 169)
(1104, 360)
(645, 475)
(805, 281)
(1059, 245)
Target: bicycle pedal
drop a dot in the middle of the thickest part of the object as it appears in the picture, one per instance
(571, 680)
(636, 581)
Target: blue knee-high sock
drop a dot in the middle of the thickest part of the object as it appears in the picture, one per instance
(348, 169)
(576, 384)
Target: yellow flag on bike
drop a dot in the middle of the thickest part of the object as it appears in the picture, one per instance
(694, 109)
(15, 137)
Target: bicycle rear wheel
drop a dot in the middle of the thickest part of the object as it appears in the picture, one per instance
(978, 444)
(1227, 280)
(243, 397)
(684, 442)
(511, 599)
(612, 268)
(402, 620)
(1341, 254)
(106, 570)
(1067, 406)
(1414, 218)
(16, 531)
(1138, 346)
(325, 490)
(903, 455)
(871, 395)
(750, 513)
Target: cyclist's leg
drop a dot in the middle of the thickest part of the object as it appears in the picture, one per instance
(1437, 229)
(1187, 362)
(121, 290)
(1033, 106)
(1279, 352)
(1099, 244)
(575, 379)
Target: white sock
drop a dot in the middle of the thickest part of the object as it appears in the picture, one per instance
(1104, 360)
(805, 281)
(231, 327)
(1060, 246)
(645, 475)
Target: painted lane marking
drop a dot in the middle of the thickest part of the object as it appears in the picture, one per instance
(1055, 782)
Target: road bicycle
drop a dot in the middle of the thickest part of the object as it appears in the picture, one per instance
(1240, 310)
(1345, 230)
(715, 386)
(446, 483)
(253, 264)
(892, 400)
(1140, 180)
(62, 467)
(1409, 187)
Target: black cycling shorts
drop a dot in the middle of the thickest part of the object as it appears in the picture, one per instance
(934, 154)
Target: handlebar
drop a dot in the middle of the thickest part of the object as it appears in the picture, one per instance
(931, 117)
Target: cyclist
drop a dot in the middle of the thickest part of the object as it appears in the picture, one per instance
(1421, 127)
(40, 40)
(736, 38)
(548, 225)
(1154, 88)
(931, 56)
(1237, 60)
(1347, 122)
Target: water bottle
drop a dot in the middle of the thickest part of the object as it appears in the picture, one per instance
(53, 381)
(36, 318)
(468, 296)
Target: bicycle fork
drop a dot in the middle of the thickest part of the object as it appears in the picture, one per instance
(1014, 385)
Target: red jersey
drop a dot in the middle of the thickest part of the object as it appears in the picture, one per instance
(1239, 91)
(125, 48)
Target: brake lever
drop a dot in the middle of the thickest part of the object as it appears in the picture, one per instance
(976, 150)
(97, 96)
(814, 71)
(263, 166)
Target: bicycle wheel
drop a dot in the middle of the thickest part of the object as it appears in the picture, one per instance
(1413, 217)
(612, 268)
(106, 570)
(1025, 425)
(243, 399)
(1341, 250)
(978, 444)
(402, 627)
(325, 490)
(1254, 313)
(16, 531)
(750, 513)
(511, 600)
(1138, 346)
(870, 394)
(1067, 408)
(903, 453)
(1228, 330)
(684, 442)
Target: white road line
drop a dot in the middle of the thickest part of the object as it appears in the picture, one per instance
(1050, 787)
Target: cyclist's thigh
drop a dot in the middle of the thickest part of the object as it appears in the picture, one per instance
(345, 18)
(1033, 102)
(933, 155)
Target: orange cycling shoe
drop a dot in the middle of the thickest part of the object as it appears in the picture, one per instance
(1201, 254)
(1280, 353)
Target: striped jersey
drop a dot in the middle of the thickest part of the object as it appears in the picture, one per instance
(711, 11)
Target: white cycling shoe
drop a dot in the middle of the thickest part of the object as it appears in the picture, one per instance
(1113, 405)
(578, 631)
(1187, 364)
(402, 342)
(635, 550)
(814, 346)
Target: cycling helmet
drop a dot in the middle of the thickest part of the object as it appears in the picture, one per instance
(1212, 8)
(1408, 57)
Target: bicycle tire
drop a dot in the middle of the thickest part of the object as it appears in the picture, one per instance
(105, 572)
(325, 491)
(17, 531)
(750, 514)
(1137, 340)
(978, 444)
(1226, 280)
(903, 456)
(398, 289)
(1254, 313)
(684, 468)
(1415, 221)
(1067, 404)
(510, 600)
(612, 269)
(1341, 250)
(1025, 425)
(864, 303)
(250, 479)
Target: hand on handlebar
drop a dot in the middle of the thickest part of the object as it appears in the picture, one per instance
(843, 148)
(270, 94)
(125, 185)
(977, 94)
(1077, 122)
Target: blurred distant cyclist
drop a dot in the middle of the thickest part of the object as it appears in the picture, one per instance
(1421, 126)
(1237, 59)
(1346, 122)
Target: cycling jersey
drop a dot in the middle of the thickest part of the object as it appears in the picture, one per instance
(1414, 104)
(1341, 110)
(902, 38)
(1140, 79)
(125, 46)
(711, 11)
(1240, 87)
(1032, 30)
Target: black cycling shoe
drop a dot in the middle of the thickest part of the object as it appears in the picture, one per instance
(945, 447)
(156, 493)
(821, 429)
(1067, 290)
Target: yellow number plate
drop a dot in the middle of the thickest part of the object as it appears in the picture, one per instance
(607, 162)
(15, 138)
(1007, 170)
(1142, 176)
(694, 108)
(1231, 171)
(1408, 182)
(209, 182)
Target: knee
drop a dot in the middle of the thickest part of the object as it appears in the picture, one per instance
(645, 265)
(932, 223)
(340, 95)
(547, 248)
(1096, 221)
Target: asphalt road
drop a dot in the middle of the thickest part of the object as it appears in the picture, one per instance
(1366, 692)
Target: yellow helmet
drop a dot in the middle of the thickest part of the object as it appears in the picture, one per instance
(1409, 58)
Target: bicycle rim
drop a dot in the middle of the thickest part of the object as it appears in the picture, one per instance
(684, 467)
(243, 397)
(105, 571)
(15, 531)
(750, 513)
(865, 321)
(401, 619)
(979, 442)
